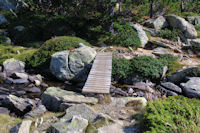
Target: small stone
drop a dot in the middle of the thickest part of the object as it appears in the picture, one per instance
(23, 127)
(34, 90)
(160, 51)
(12, 65)
(18, 105)
(44, 85)
(130, 90)
(8, 80)
(20, 81)
(36, 112)
(172, 87)
(18, 75)
(37, 83)
(76, 125)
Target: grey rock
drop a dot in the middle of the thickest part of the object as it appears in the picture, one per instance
(192, 87)
(141, 34)
(165, 91)
(80, 62)
(180, 75)
(122, 102)
(160, 51)
(19, 105)
(23, 127)
(33, 78)
(59, 66)
(4, 110)
(152, 32)
(34, 90)
(20, 81)
(8, 80)
(74, 65)
(82, 110)
(3, 20)
(172, 87)
(158, 23)
(18, 75)
(76, 125)
(180, 23)
(36, 112)
(19, 28)
(143, 86)
(130, 90)
(195, 20)
(12, 4)
(53, 97)
(12, 65)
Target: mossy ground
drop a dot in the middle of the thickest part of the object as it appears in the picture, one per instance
(7, 122)
(17, 52)
(173, 114)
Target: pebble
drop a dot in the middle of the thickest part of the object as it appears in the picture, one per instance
(130, 90)
(37, 83)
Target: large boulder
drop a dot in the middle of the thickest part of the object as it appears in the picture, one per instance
(12, 65)
(82, 110)
(74, 65)
(158, 23)
(181, 75)
(18, 105)
(141, 34)
(76, 125)
(172, 87)
(56, 99)
(3, 20)
(192, 87)
(183, 25)
(11, 4)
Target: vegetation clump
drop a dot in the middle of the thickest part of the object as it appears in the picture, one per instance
(125, 36)
(17, 52)
(170, 34)
(173, 114)
(41, 58)
(146, 67)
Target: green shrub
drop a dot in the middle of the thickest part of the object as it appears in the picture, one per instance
(172, 63)
(125, 36)
(121, 68)
(170, 34)
(41, 58)
(146, 67)
(173, 114)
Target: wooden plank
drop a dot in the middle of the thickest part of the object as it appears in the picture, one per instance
(99, 79)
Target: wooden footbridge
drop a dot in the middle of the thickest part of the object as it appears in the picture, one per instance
(99, 79)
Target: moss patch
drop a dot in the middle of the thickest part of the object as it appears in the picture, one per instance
(20, 53)
(41, 58)
(173, 114)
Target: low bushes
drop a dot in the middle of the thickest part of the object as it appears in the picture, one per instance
(41, 58)
(170, 34)
(173, 114)
(146, 67)
(125, 36)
